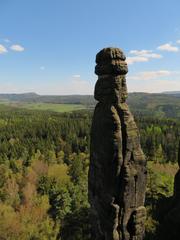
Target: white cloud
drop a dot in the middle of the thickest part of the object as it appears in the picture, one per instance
(17, 48)
(76, 76)
(178, 41)
(168, 47)
(2, 49)
(145, 53)
(131, 60)
(142, 56)
(140, 52)
(149, 75)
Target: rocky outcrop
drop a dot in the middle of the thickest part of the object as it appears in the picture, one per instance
(117, 173)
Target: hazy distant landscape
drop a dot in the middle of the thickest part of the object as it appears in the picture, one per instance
(158, 105)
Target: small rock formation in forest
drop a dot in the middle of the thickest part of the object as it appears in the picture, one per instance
(117, 173)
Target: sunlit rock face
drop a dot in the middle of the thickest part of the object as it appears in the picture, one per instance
(117, 173)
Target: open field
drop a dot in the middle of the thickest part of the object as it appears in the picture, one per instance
(158, 105)
(46, 106)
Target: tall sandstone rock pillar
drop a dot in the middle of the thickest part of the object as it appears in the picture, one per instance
(117, 173)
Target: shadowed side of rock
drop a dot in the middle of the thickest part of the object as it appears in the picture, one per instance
(117, 174)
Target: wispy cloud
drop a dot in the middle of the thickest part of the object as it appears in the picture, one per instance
(178, 41)
(142, 56)
(168, 47)
(76, 76)
(131, 60)
(145, 53)
(2, 49)
(17, 48)
(149, 75)
(162, 80)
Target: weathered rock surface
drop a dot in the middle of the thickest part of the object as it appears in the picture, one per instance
(117, 173)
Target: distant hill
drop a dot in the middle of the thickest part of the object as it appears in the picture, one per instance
(159, 105)
(165, 104)
(18, 97)
(33, 97)
(175, 93)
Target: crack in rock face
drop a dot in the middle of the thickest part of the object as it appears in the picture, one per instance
(117, 172)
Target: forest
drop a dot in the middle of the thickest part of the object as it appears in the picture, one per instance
(44, 159)
(160, 105)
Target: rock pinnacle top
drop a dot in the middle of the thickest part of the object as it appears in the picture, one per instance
(111, 61)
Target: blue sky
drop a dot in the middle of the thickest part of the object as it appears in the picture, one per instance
(49, 46)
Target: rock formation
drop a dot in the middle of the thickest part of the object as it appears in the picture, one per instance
(117, 173)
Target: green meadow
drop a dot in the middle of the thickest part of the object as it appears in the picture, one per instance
(46, 106)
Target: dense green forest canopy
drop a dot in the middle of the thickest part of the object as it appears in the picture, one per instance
(44, 159)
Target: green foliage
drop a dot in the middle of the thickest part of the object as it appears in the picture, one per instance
(159, 138)
(27, 223)
(50, 106)
(160, 179)
(160, 187)
(157, 105)
(76, 225)
(60, 201)
(44, 158)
